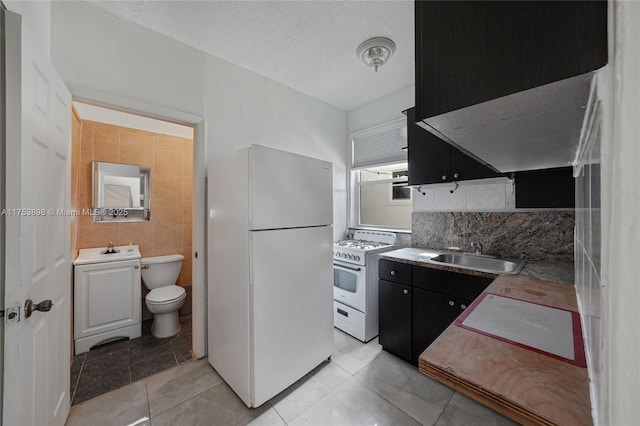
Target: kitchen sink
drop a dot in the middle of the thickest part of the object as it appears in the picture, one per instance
(480, 263)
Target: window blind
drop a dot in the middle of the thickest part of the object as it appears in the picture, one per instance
(379, 145)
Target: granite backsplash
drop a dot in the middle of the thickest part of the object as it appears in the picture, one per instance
(543, 236)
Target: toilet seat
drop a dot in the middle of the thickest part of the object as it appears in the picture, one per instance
(164, 295)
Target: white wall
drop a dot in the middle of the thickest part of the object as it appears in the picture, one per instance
(486, 195)
(617, 399)
(105, 59)
(36, 15)
(382, 110)
(99, 55)
(133, 121)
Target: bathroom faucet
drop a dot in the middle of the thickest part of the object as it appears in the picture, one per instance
(110, 248)
(477, 246)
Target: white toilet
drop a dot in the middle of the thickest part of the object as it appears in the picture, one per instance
(159, 274)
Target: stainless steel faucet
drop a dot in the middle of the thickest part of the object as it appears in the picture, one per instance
(477, 246)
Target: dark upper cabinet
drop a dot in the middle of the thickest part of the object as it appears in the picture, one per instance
(469, 52)
(432, 160)
(508, 81)
(548, 188)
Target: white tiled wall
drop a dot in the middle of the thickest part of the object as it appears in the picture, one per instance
(587, 245)
(484, 195)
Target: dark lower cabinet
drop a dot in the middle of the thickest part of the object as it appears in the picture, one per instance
(432, 313)
(420, 305)
(395, 318)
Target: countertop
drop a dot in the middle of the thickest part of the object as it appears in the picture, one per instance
(528, 386)
(556, 272)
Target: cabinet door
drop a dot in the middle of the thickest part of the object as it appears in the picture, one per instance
(396, 272)
(464, 167)
(395, 318)
(429, 157)
(432, 314)
(468, 52)
(107, 296)
(549, 188)
(432, 160)
(454, 284)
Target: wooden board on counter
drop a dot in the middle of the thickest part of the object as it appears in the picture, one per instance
(527, 386)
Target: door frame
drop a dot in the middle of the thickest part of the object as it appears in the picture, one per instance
(199, 232)
(3, 180)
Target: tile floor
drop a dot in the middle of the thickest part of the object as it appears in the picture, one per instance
(361, 385)
(113, 365)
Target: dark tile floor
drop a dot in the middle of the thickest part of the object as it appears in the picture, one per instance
(116, 364)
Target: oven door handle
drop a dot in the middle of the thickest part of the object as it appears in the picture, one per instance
(348, 267)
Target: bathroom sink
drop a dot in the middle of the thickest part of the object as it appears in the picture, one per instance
(98, 255)
(480, 263)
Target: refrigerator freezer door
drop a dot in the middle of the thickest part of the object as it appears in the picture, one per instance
(292, 326)
(288, 190)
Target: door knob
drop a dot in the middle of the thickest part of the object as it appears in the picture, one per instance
(29, 307)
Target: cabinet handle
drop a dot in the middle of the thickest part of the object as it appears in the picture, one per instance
(451, 303)
(455, 175)
(444, 177)
(393, 272)
(463, 306)
(405, 291)
(137, 266)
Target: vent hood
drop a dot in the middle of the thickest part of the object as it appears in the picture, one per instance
(534, 129)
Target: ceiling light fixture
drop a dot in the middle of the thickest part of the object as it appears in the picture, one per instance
(376, 51)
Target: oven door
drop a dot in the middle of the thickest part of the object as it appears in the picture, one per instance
(349, 283)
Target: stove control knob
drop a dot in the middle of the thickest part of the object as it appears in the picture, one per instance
(336, 254)
(357, 258)
(344, 255)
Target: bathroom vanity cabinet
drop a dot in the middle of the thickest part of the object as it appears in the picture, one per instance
(107, 302)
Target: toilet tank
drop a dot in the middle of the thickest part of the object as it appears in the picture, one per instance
(161, 271)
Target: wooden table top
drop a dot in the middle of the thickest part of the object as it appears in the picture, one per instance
(527, 386)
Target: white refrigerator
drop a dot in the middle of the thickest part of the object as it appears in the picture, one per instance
(270, 269)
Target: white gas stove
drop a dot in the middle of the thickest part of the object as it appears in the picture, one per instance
(362, 244)
(355, 282)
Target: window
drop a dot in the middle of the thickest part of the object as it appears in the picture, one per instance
(380, 196)
(383, 197)
(399, 189)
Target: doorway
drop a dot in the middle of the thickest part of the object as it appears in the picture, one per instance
(167, 150)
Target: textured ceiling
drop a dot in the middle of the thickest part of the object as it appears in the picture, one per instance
(307, 45)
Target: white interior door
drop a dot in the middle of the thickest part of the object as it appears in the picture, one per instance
(38, 254)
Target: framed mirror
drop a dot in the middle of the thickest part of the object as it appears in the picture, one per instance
(120, 192)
